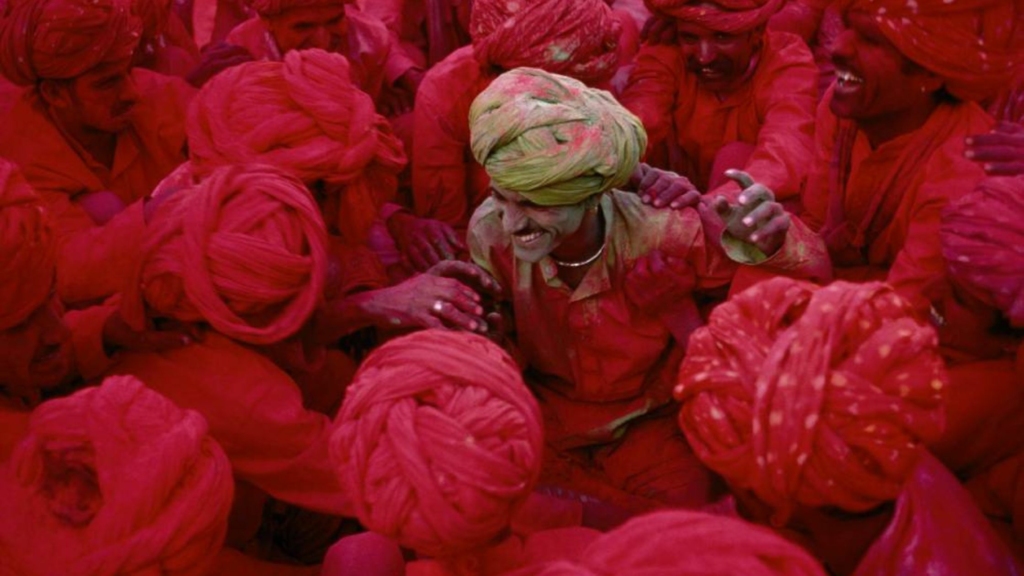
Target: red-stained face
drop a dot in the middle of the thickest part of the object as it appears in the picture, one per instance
(536, 230)
(323, 27)
(100, 100)
(719, 60)
(873, 79)
(36, 354)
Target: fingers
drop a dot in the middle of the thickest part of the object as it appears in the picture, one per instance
(761, 214)
(721, 206)
(995, 153)
(740, 177)
(422, 256)
(755, 195)
(1009, 128)
(468, 273)
(452, 237)
(777, 225)
(1004, 168)
(688, 199)
(451, 315)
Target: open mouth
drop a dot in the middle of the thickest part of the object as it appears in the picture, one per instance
(847, 79)
(527, 238)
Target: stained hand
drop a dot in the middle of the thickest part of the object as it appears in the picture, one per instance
(660, 188)
(756, 218)
(1000, 152)
(424, 242)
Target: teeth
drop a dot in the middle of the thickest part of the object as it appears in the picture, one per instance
(526, 238)
(846, 77)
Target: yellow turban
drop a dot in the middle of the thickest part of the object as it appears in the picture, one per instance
(553, 139)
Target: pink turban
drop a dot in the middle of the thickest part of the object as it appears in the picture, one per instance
(577, 38)
(684, 542)
(813, 396)
(976, 46)
(61, 39)
(982, 239)
(114, 479)
(438, 441)
(270, 8)
(729, 16)
(27, 249)
(304, 116)
(245, 251)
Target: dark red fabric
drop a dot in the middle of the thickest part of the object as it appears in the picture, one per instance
(981, 240)
(438, 441)
(817, 396)
(730, 16)
(27, 249)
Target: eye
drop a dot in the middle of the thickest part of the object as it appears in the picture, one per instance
(686, 38)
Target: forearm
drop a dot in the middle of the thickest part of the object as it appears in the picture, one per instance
(345, 315)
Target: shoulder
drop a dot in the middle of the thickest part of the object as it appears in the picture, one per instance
(641, 229)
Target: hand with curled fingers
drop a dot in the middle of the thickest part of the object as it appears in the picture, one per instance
(118, 335)
(661, 188)
(659, 282)
(431, 301)
(756, 219)
(424, 242)
(216, 58)
(1000, 152)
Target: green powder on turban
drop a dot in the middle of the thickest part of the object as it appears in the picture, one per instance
(553, 139)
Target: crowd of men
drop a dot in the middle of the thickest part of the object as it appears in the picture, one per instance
(530, 287)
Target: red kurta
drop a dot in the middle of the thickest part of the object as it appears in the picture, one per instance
(773, 111)
(59, 170)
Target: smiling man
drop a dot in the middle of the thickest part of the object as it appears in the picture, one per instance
(601, 285)
(727, 94)
(91, 134)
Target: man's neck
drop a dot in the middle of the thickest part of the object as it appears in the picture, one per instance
(100, 146)
(585, 242)
(882, 129)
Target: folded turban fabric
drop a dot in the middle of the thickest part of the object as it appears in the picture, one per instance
(271, 8)
(245, 251)
(813, 396)
(729, 16)
(61, 39)
(553, 139)
(304, 116)
(685, 542)
(981, 241)
(578, 38)
(27, 249)
(114, 479)
(976, 46)
(439, 441)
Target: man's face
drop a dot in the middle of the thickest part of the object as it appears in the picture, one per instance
(36, 354)
(536, 230)
(101, 99)
(323, 27)
(718, 60)
(873, 79)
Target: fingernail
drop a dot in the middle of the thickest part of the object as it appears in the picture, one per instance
(479, 311)
(969, 140)
(185, 340)
(742, 200)
(645, 199)
(748, 221)
(969, 153)
(658, 203)
(754, 237)
(473, 326)
(989, 167)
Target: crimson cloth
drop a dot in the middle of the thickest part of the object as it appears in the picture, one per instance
(577, 38)
(114, 479)
(773, 111)
(27, 249)
(62, 172)
(302, 116)
(270, 8)
(60, 39)
(981, 236)
(684, 542)
(821, 397)
(975, 46)
(438, 441)
(245, 251)
(729, 16)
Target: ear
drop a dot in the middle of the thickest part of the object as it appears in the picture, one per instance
(55, 93)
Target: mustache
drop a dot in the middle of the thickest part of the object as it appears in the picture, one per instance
(717, 65)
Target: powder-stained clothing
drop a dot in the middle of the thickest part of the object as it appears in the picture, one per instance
(879, 211)
(60, 170)
(374, 62)
(255, 413)
(773, 111)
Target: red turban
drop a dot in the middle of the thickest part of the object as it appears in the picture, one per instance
(577, 38)
(304, 116)
(438, 441)
(114, 479)
(271, 8)
(245, 251)
(976, 46)
(27, 249)
(61, 39)
(813, 396)
(729, 16)
(982, 239)
(684, 542)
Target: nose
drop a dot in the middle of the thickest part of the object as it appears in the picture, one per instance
(54, 331)
(129, 91)
(842, 47)
(706, 52)
(321, 38)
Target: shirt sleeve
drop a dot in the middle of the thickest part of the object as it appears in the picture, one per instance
(86, 328)
(651, 91)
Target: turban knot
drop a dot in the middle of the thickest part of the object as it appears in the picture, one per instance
(729, 16)
(439, 441)
(685, 542)
(975, 46)
(578, 38)
(982, 240)
(271, 8)
(27, 249)
(115, 479)
(553, 139)
(306, 117)
(813, 396)
(62, 39)
(245, 251)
